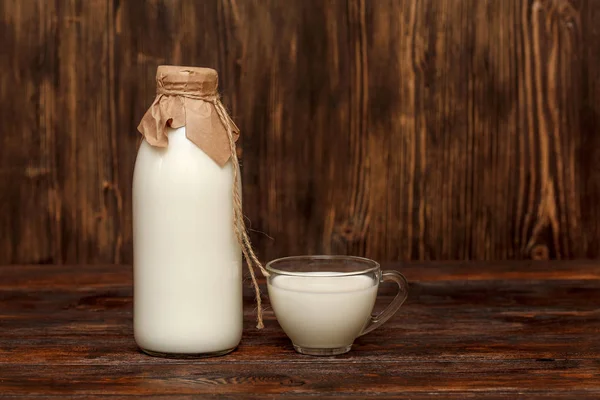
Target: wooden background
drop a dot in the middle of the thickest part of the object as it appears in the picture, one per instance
(439, 129)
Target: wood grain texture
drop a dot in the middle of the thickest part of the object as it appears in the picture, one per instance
(468, 330)
(430, 129)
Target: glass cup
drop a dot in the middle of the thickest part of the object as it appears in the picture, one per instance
(323, 303)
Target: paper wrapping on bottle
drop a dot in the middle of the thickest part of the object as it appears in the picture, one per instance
(185, 97)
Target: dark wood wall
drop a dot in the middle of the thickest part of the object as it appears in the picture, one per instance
(395, 129)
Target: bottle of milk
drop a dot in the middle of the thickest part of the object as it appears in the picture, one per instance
(187, 234)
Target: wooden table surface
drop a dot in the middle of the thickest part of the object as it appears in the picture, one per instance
(468, 330)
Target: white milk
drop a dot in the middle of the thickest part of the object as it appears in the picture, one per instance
(187, 262)
(322, 312)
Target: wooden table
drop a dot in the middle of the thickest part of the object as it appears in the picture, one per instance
(485, 330)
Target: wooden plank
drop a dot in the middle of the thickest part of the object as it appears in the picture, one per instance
(521, 378)
(588, 47)
(80, 144)
(499, 395)
(105, 276)
(26, 87)
(415, 335)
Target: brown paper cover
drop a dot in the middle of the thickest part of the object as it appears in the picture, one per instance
(185, 97)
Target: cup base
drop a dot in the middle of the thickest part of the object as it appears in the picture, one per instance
(322, 352)
(187, 355)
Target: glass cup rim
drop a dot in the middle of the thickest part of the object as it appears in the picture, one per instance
(375, 266)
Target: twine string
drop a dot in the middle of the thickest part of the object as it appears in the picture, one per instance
(239, 226)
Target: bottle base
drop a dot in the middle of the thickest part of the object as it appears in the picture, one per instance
(187, 355)
(322, 352)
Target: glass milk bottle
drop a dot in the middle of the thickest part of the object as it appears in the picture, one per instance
(187, 259)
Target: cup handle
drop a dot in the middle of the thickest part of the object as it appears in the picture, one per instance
(377, 320)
